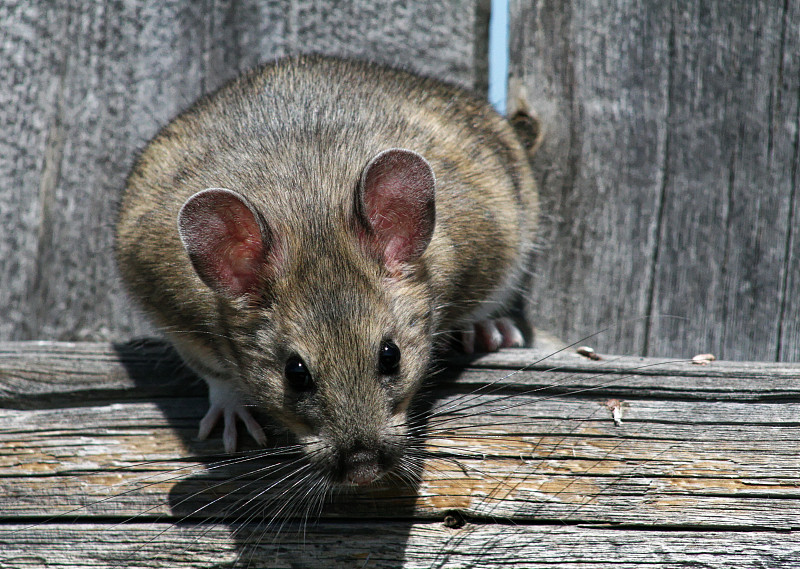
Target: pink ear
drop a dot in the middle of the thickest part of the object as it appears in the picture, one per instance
(226, 243)
(398, 201)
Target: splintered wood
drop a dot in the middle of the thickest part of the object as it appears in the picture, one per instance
(584, 459)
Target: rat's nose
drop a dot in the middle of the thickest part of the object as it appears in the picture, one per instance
(362, 467)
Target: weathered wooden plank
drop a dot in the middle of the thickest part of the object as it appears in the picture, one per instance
(499, 445)
(729, 180)
(668, 172)
(36, 374)
(787, 125)
(594, 72)
(112, 475)
(571, 464)
(86, 84)
(410, 545)
(46, 373)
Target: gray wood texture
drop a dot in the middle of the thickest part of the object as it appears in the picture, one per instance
(99, 467)
(85, 84)
(669, 172)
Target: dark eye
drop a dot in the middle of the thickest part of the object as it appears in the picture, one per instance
(297, 375)
(389, 358)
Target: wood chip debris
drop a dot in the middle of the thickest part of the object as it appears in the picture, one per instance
(703, 359)
(588, 352)
(616, 406)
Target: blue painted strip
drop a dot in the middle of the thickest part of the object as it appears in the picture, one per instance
(498, 55)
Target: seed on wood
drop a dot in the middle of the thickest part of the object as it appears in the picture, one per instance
(588, 352)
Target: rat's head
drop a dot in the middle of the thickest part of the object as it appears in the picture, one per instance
(333, 323)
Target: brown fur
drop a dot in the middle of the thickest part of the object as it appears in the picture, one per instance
(293, 138)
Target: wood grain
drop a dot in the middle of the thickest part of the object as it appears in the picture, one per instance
(417, 546)
(669, 172)
(702, 465)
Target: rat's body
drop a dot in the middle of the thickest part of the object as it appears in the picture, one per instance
(315, 276)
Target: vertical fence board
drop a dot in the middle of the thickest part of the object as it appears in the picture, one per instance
(785, 128)
(31, 72)
(668, 172)
(597, 77)
(725, 221)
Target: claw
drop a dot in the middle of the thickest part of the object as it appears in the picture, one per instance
(491, 335)
(512, 337)
(225, 402)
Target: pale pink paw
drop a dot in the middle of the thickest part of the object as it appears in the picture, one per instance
(491, 335)
(225, 403)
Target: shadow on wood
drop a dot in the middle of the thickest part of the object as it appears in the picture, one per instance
(259, 498)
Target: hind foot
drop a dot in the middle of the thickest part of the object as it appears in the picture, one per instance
(225, 403)
(491, 335)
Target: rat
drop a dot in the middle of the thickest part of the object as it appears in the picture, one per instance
(311, 233)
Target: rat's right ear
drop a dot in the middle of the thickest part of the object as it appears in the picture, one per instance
(227, 241)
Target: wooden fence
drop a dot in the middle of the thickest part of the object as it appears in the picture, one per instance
(668, 173)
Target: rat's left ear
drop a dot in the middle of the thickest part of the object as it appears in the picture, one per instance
(397, 205)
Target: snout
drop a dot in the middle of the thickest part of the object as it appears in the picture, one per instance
(361, 465)
(360, 440)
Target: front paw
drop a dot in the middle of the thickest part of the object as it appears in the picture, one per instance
(226, 403)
